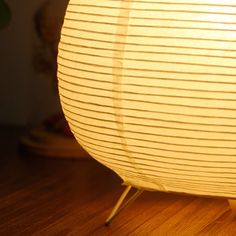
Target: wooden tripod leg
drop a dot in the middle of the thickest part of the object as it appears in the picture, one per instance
(119, 207)
(232, 204)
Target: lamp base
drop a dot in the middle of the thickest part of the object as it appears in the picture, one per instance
(42, 142)
(119, 206)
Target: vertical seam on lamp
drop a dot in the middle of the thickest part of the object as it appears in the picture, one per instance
(119, 45)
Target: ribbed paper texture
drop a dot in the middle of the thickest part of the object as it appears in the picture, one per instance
(149, 90)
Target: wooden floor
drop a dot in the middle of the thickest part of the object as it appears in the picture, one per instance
(41, 196)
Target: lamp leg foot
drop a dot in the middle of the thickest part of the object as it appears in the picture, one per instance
(232, 204)
(119, 207)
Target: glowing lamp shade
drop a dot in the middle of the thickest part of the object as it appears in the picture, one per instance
(149, 90)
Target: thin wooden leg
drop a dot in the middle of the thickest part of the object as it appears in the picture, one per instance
(119, 207)
(232, 204)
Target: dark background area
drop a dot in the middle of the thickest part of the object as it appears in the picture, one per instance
(27, 96)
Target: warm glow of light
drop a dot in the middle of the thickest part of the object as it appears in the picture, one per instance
(149, 90)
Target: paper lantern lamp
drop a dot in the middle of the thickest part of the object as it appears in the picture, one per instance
(149, 90)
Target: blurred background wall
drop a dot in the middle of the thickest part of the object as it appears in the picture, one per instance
(27, 96)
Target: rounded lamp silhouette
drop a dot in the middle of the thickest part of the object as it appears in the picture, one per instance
(149, 90)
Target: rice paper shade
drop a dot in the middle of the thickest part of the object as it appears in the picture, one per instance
(149, 90)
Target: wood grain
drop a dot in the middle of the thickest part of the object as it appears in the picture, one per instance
(41, 196)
